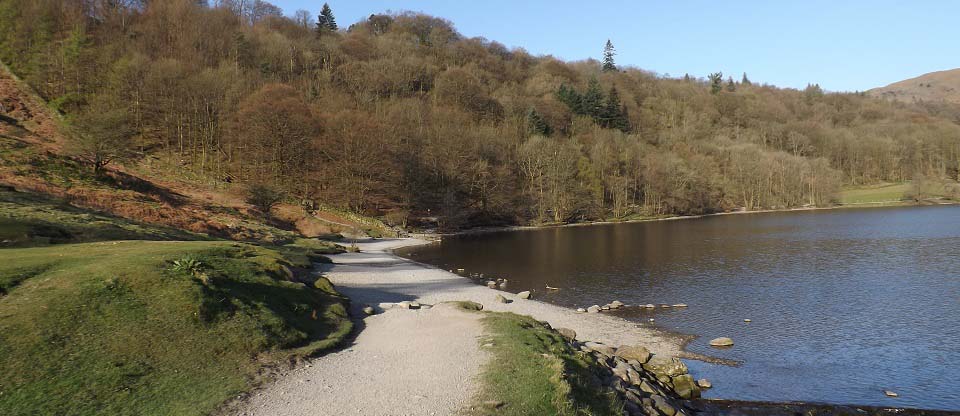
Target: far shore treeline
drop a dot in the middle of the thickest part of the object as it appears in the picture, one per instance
(401, 115)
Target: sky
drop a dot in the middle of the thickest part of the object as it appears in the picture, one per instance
(843, 45)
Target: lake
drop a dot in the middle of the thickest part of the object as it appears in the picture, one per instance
(844, 303)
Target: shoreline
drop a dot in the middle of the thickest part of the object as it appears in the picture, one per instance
(682, 340)
(859, 205)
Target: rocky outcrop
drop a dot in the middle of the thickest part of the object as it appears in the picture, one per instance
(647, 384)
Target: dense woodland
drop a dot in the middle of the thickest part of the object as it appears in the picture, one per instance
(401, 114)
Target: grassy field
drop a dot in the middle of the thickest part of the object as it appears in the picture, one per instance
(152, 328)
(875, 194)
(534, 372)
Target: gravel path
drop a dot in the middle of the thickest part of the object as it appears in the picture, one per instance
(417, 362)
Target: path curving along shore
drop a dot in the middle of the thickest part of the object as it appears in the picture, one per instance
(424, 361)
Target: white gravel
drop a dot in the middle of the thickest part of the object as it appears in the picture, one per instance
(418, 362)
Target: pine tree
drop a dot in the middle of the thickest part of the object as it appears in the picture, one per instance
(686, 77)
(571, 98)
(325, 21)
(716, 82)
(614, 114)
(745, 80)
(609, 65)
(536, 124)
(592, 102)
(731, 86)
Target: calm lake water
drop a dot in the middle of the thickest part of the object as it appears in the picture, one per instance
(844, 304)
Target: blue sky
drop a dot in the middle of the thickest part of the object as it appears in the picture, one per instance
(850, 45)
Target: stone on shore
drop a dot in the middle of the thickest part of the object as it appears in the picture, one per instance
(663, 405)
(685, 387)
(503, 286)
(649, 306)
(501, 299)
(369, 310)
(704, 383)
(601, 348)
(593, 309)
(721, 342)
(581, 310)
(492, 284)
(665, 366)
(567, 333)
(386, 305)
(616, 304)
(524, 295)
(680, 305)
(634, 352)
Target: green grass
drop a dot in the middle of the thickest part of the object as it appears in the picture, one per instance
(875, 194)
(114, 328)
(535, 372)
(33, 220)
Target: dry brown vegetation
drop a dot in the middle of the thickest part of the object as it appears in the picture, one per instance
(402, 114)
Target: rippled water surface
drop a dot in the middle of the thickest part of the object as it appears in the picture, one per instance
(844, 304)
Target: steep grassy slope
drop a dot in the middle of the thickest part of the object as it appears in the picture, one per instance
(120, 328)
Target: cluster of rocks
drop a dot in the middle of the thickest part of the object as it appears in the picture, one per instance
(646, 383)
(617, 305)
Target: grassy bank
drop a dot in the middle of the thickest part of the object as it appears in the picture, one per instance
(141, 327)
(875, 194)
(534, 372)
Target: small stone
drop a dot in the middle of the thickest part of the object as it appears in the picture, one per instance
(567, 333)
(524, 295)
(491, 284)
(503, 286)
(501, 299)
(721, 342)
(460, 270)
(404, 305)
(649, 306)
(664, 305)
(616, 304)
(747, 321)
(680, 305)
(581, 310)
(889, 393)
(493, 404)
(368, 310)
(593, 309)
(386, 305)
(488, 345)
(704, 383)
(414, 305)
(605, 307)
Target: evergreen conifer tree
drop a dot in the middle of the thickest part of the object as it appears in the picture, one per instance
(745, 80)
(536, 124)
(731, 86)
(608, 53)
(326, 22)
(716, 82)
(592, 103)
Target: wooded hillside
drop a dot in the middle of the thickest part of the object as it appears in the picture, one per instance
(401, 114)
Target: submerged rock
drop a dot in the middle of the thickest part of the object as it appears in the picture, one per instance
(721, 342)
(889, 393)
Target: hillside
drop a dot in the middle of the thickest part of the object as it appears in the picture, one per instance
(940, 86)
(399, 116)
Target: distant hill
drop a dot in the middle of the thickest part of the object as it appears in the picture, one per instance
(935, 86)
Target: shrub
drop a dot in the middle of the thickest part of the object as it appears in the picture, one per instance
(263, 198)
